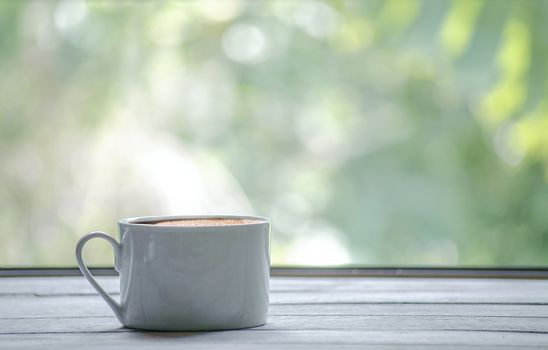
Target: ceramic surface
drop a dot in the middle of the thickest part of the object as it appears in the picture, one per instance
(188, 278)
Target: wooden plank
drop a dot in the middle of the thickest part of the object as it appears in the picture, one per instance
(44, 286)
(305, 313)
(403, 297)
(398, 309)
(313, 338)
(228, 346)
(94, 306)
(287, 323)
(426, 297)
(387, 284)
(333, 290)
(78, 285)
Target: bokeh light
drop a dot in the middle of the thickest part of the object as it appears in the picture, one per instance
(377, 133)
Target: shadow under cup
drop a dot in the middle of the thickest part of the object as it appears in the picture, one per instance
(201, 276)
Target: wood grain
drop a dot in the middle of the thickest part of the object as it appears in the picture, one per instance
(305, 313)
(335, 338)
(93, 306)
(289, 323)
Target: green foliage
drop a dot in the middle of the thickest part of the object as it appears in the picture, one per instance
(372, 132)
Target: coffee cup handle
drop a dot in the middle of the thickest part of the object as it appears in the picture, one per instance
(114, 305)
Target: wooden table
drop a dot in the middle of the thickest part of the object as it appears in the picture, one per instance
(305, 313)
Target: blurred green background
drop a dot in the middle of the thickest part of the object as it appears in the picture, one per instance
(404, 133)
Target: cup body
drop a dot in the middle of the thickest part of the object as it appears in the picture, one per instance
(194, 277)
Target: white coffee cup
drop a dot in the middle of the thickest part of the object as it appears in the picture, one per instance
(188, 277)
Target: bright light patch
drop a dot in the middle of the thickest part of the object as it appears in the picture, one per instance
(504, 147)
(245, 43)
(459, 26)
(167, 26)
(316, 18)
(513, 59)
(69, 13)
(317, 245)
(220, 10)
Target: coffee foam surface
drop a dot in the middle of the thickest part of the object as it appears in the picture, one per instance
(202, 222)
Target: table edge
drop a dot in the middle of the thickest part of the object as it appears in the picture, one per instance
(411, 272)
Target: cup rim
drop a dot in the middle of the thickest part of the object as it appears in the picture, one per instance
(136, 221)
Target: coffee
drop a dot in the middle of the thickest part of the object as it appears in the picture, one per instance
(191, 277)
(201, 222)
